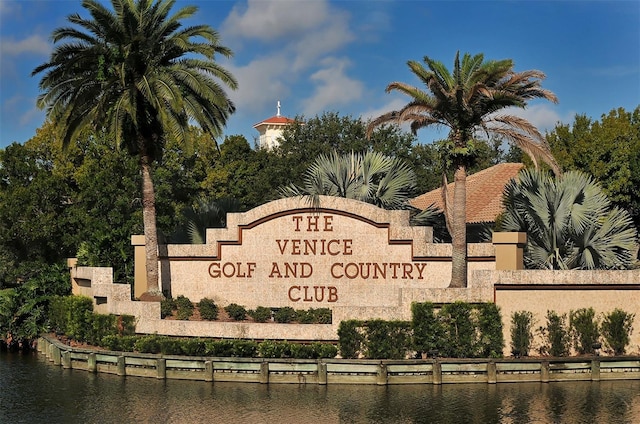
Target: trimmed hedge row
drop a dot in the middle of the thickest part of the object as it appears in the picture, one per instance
(73, 317)
(457, 330)
(184, 309)
(580, 330)
(210, 347)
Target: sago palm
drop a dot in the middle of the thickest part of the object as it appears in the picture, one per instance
(467, 101)
(369, 177)
(570, 222)
(138, 73)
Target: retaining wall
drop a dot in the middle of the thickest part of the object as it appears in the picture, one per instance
(342, 371)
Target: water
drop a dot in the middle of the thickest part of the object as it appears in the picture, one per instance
(32, 390)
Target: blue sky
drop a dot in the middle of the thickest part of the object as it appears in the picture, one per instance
(338, 56)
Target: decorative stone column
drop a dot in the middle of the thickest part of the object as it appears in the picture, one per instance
(139, 266)
(509, 250)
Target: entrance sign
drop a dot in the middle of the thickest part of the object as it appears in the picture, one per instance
(344, 253)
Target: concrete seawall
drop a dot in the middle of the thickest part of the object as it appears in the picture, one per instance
(342, 371)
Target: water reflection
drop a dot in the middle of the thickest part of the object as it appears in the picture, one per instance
(33, 390)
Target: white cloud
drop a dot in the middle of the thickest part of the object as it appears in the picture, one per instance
(8, 7)
(261, 82)
(32, 44)
(332, 87)
(304, 31)
(541, 116)
(275, 19)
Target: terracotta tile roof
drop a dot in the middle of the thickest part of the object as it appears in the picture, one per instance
(484, 193)
(281, 120)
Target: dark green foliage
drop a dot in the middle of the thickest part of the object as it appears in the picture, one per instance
(149, 343)
(427, 328)
(275, 349)
(170, 345)
(584, 329)
(184, 307)
(327, 350)
(521, 333)
(194, 347)
(120, 343)
(73, 317)
(208, 309)
(223, 348)
(101, 326)
(490, 336)
(617, 327)
(387, 339)
(167, 306)
(126, 325)
(79, 314)
(350, 339)
(305, 316)
(236, 312)
(261, 314)
(285, 315)
(245, 348)
(322, 315)
(24, 309)
(459, 331)
(557, 335)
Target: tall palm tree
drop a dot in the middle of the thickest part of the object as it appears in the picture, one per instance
(137, 72)
(369, 177)
(569, 221)
(467, 101)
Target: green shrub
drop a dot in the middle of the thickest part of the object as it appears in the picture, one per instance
(387, 339)
(521, 334)
(148, 344)
(245, 348)
(556, 334)
(101, 326)
(274, 349)
(194, 347)
(285, 315)
(327, 350)
(261, 314)
(460, 339)
(127, 325)
(236, 312)
(350, 339)
(185, 307)
(490, 336)
(222, 348)
(57, 314)
(617, 327)
(167, 306)
(119, 343)
(427, 328)
(322, 315)
(170, 345)
(79, 317)
(305, 317)
(208, 309)
(303, 351)
(584, 329)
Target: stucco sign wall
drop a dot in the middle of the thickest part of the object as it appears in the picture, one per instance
(284, 253)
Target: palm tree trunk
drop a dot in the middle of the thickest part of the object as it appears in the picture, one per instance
(150, 230)
(459, 235)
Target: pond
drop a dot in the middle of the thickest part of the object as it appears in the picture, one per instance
(33, 391)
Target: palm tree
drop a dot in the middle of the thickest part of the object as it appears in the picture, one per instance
(569, 221)
(137, 72)
(369, 177)
(467, 101)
